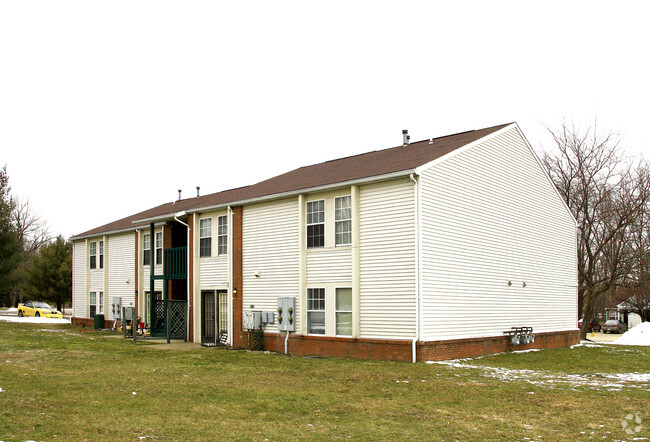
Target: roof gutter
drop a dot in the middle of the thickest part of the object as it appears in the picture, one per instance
(110, 232)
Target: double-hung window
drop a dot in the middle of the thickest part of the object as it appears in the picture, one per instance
(316, 223)
(159, 248)
(101, 303)
(344, 311)
(101, 254)
(93, 255)
(222, 235)
(316, 311)
(146, 249)
(93, 304)
(205, 237)
(343, 221)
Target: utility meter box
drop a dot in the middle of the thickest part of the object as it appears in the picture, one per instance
(287, 314)
(117, 307)
(129, 313)
(252, 320)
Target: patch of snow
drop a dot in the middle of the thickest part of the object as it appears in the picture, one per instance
(613, 382)
(639, 335)
(586, 344)
(34, 320)
(11, 310)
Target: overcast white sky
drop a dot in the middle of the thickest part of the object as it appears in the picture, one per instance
(107, 108)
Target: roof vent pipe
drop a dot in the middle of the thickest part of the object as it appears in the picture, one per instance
(179, 194)
(198, 191)
(406, 137)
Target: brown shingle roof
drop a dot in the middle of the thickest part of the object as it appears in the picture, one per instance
(357, 167)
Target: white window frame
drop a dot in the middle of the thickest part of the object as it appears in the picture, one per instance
(146, 249)
(339, 219)
(338, 311)
(100, 305)
(205, 233)
(101, 254)
(92, 253)
(92, 302)
(310, 309)
(309, 218)
(222, 235)
(159, 248)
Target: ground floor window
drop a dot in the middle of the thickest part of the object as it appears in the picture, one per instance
(93, 304)
(316, 311)
(101, 303)
(344, 311)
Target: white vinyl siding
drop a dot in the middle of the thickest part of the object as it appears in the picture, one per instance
(213, 272)
(329, 265)
(121, 271)
(490, 216)
(387, 260)
(79, 280)
(270, 247)
(96, 280)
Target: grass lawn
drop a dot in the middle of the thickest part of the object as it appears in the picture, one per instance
(64, 382)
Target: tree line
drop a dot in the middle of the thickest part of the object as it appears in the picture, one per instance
(608, 193)
(33, 264)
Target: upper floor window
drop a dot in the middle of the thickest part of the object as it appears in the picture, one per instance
(101, 254)
(93, 255)
(159, 248)
(316, 223)
(146, 249)
(205, 237)
(222, 235)
(343, 221)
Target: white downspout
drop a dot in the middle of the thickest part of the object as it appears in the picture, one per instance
(187, 277)
(417, 268)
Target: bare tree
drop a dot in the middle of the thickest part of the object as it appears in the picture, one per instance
(33, 230)
(33, 233)
(606, 194)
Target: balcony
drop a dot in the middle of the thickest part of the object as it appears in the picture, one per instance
(175, 263)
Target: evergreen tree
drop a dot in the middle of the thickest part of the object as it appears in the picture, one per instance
(49, 278)
(10, 249)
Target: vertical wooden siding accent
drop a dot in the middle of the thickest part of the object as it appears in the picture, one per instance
(121, 262)
(387, 260)
(79, 279)
(489, 216)
(237, 277)
(270, 246)
(190, 274)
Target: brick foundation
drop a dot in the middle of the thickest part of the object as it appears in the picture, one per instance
(398, 350)
(90, 322)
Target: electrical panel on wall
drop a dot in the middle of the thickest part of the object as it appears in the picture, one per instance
(286, 314)
(117, 307)
(252, 320)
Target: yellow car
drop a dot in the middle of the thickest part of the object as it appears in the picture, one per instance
(33, 308)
